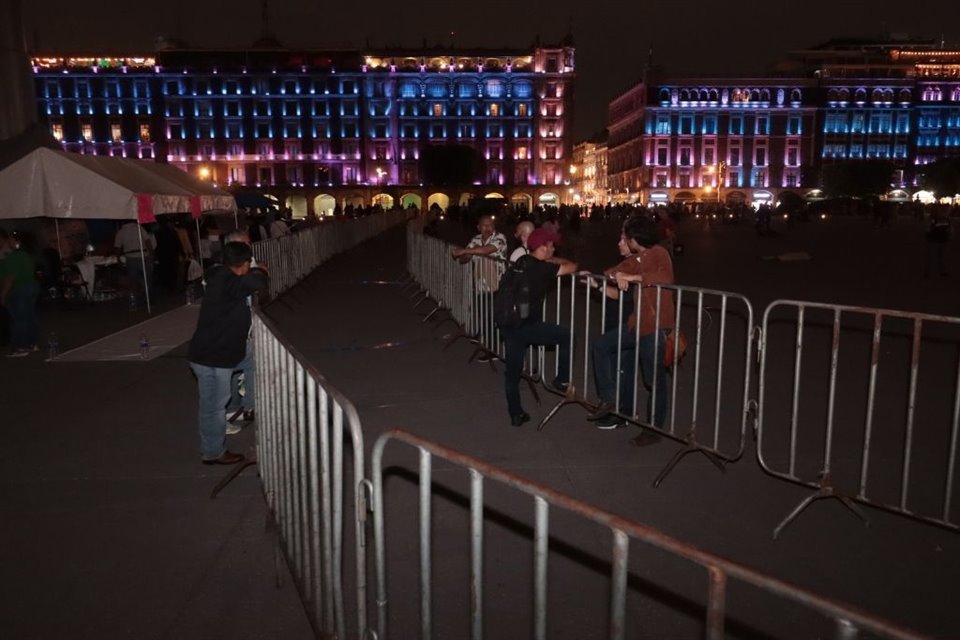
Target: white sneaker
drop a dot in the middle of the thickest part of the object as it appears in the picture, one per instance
(233, 429)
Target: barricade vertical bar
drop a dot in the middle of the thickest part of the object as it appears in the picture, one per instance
(723, 333)
(573, 318)
(303, 526)
(846, 630)
(871, 401)
(325, 504)
(285, 446)
(619, 362)
(637, 372)
(832, 395)
(952, 460)
(314, 495)
(674, 379)
(696, 363)
(425, 550)
(911, 408)
(337, 547)
(618, 592)
(655, 366)
(379, 543)
(801, 311)
(541, 539)
(476, 555)
(586, 338)
(716, 603)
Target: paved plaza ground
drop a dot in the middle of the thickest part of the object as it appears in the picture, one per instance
(110, 531)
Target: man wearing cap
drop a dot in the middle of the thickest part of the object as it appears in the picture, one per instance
(541, 269)
(219, 344)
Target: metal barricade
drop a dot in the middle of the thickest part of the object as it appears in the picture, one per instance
(721, 574)
(867, 449)
(302, 421)
(293, 257)
(710, 419)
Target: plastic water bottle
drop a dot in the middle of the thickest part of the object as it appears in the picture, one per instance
(132, 302)
(144, 347)
(53, 346)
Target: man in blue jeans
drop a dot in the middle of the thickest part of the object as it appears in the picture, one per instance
(649, 265)
(219, 344)
(542, 269)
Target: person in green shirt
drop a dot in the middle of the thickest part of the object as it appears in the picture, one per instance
(19, 290)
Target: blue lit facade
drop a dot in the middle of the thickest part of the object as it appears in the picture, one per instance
(312, 119)
(670, 140)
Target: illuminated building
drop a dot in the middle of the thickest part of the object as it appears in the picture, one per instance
(589, 173)
(697, 140)
(272, 117)
(756, 137)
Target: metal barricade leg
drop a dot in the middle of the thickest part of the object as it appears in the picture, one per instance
(822, 493)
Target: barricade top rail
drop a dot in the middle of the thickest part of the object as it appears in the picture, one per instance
(893, 313)
(649, 535)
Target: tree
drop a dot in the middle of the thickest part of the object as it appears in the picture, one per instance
(857, 178)
(943, 177)
(452, 164)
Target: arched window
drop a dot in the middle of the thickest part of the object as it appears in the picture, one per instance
(409, 90)
(765, 96)
(493, 89)
(525, 90)
(437, 90)
(860, 96)
(795, 95)
(876, 95)
(664, 95)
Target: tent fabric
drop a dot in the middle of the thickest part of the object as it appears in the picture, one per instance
(57, 184)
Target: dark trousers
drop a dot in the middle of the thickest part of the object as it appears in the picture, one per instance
(604, 354)
(516, 341)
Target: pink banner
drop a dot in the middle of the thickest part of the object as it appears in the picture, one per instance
(195, 208)
(145, 208)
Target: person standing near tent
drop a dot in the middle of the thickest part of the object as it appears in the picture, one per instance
(219, 345)
(19, 289)
(136, 245)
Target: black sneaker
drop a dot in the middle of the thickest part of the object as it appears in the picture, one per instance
(610, 422)
(601, 411)
(559, 387)
(520, 419)
(484, 357)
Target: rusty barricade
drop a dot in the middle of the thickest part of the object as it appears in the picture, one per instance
(892, 443)
(720, 577)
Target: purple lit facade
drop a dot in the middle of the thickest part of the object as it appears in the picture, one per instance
(302, 119)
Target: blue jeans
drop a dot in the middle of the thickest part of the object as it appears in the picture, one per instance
(604, 354)
(22, 307)
(213, 386)
(516, 342)
(246, 367)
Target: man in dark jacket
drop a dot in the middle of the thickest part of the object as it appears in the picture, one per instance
(219, 344)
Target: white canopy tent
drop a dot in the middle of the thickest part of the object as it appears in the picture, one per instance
(56, 184)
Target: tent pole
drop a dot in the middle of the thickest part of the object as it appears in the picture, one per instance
(199, 249)
(143, 264)
(56, 222)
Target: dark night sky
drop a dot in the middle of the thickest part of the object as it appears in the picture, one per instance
(689, 37)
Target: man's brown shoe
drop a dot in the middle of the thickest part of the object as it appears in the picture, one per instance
(226, 458)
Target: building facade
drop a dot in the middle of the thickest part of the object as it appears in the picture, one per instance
(309, 119)
(589, 173)
(750, 139)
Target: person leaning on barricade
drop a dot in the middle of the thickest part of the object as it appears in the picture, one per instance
(648, 265)
(540, 271)
(524, 229)
(487, 243)
(219, 344)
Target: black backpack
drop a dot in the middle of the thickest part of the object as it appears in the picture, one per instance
(511, 302)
